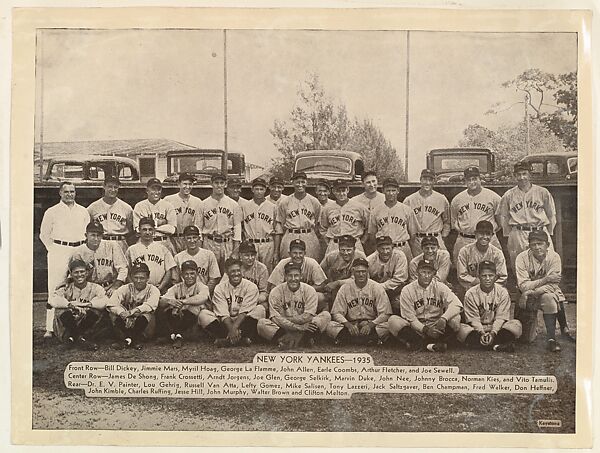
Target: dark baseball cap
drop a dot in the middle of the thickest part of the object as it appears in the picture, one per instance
(289, 267)
(299, 174)
(275, 180)
(191, 229)
(427, 173)
(94, 227)
(147, 221)
(187, 177)
(360, 262)
(347, 240)
(113, 179)
(471, 171)
(426, 264)
(538, 235)
(153, 182)
(189, 264)
(390, 182)
(522, 166)
(340, 184)
(75, 264)
(429, 240)
(259, 182)
(140, 267)
(218, 177)
(384, 240)
(298, 244)
(234, 183)
(483, 226)
(324, 183)
(247, 247)
(231, 261)
(487, 265)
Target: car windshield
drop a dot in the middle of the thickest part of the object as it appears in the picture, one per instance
(445, 163)
(207, 163)
(572, 164)
(67, 170)
(324, 164)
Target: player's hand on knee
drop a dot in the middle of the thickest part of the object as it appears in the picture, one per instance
(365, 330)
(440, 326)
(352, 329)
(311, 327)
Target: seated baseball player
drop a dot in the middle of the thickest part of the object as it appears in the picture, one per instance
(539, 272)
(388, 266)
(361, 309)
(312, 273)
(208, 267)
(107, 265)
(337, 266)
(132, 308)
(153, 254)
(472, 254)
(293, 308)
(487, 311)
(430, 312)
(235, 312)
(253, 270)
(432, 252)
(179, 308)
(79, 307)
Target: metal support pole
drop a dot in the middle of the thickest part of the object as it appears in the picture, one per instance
(225, 147)
(406, 124)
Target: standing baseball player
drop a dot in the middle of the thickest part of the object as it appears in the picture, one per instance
(322, 192)
(188, 209)
(470, 206)
(394, 219)
(276, 190)
(62, 229)
(430, 312)
(539, 272)
(432, 212)
(388, 266)
(234, 190)
(179, 308)
(235, 311)
(159, 210)
(471, 255)
(106, 261)
(525, 208)
(370, 198)
(487, 312)
(221, 222)
(432, 252)
(293, 308)
(361, 309)
(208, 268)
(115, 216)
(258, 217)
(132, 308)
(153, 254)
(79, 307)
(297, 217)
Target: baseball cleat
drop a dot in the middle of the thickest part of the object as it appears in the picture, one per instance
(178, 343)
(87, 345)
(137, 345)
(222, 342)
(507, 347)
(553, 345)
(70, 342)
(245, 341)
(48, 334)
(437, 347)
(118, 345)
(566, 334)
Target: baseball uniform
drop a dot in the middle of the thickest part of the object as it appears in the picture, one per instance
(398, 222)
(259, 228)
(429, 213)
(156, 256)
(467, 210)
(353, 221)
(286, 306)
(529, 269)
(257, 274)
(163, 213)
(208, 268)
(312, 273)
(116, 219)
(198, 290)
(187, 212)
(297, 219)
(273, 200)
(369, 203)
(392, 275)
(324, 239)
(336, 268)
(107, 263)
(467, 266)
(175, 321)
(442, 264)
(62, 229)
(128, 298)
(354, 304)
(221, 224)
(523, 212)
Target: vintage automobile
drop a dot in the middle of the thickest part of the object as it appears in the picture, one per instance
(203, 163)
(330, 165)
(449, 163)
(90, 168)
(552, 167)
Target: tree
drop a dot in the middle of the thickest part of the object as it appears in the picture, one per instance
(317, 122)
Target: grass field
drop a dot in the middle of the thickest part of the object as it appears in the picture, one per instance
(56, 407)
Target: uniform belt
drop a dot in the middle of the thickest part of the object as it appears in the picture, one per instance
(423, 235)
(177, 235)
(161, 238)
(465, 235)
(114, 237)
(259, 241)
(528, 228)
(69, 244)
(399, 244)
(299, 230)
(212, 237)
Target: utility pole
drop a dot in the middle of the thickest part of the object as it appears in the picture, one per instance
(406, 124)
(41, 112)
(527, 98)
(225, 147)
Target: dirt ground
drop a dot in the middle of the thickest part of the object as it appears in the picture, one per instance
(56, 407)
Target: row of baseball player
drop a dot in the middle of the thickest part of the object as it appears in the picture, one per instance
(428, 314)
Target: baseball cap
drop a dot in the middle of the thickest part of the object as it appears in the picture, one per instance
(232, 262)
(77, 264)
(429, 240)
(218, 177)
(299, 174)
(298, 244)
(235, 183)
(522, 166)
(191, 229)
(111, 178)
(324, 183)
(275, 180)
(189, 264)
(487, 265)
(483, 226)
(538, 235)
(247, 247)
(340, 184)
(259, 182)
(426, 264)
(348, 240)
(94, 227)
(291, 266)
(427, 173)
(360, 262)
(471, 171)
(186, 177)
(384, 240)
(390, 182)
(140, 267)
(147, 221)
(153, 182)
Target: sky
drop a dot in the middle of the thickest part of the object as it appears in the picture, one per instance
(132, 84)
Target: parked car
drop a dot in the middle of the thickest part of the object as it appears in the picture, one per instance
(203, 163)
(449, 163)
(552, 167)
(90, 168)
(330, 165)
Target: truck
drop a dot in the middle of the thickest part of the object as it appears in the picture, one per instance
(449, 163)
(330, 165)
(203, 163)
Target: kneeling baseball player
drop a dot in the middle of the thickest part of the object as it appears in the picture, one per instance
(132, 308)
(235, 312)
(293, 311)
(179, 308)
(430, 312)
(361, 309)
(79, 307)
(487, 311)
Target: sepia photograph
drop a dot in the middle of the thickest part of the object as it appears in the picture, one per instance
(305, 229)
